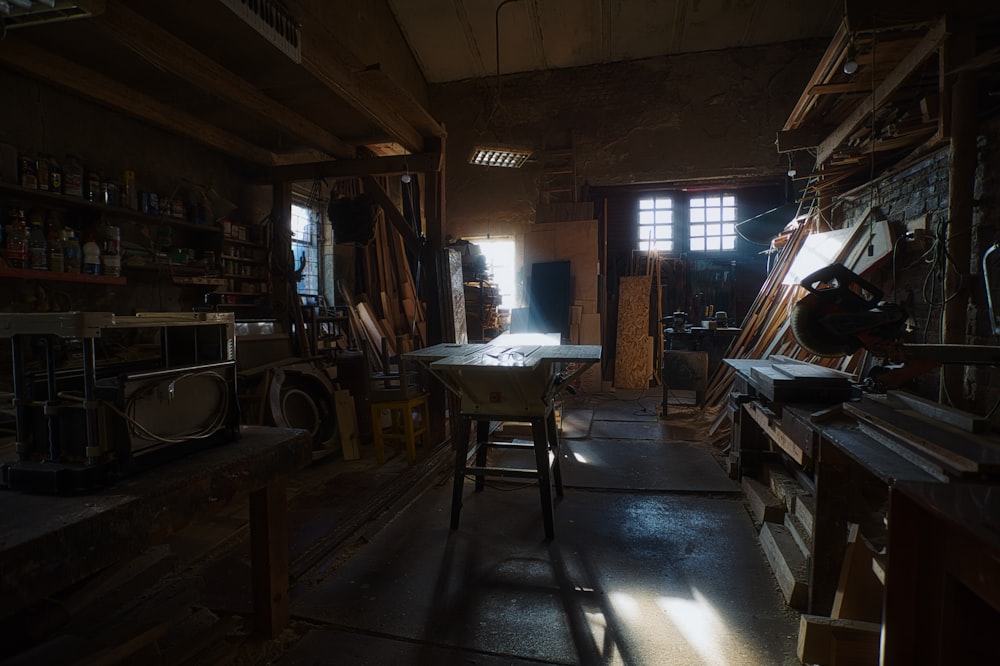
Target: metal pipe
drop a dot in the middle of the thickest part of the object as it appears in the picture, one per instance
(51, 411)
(994, 325)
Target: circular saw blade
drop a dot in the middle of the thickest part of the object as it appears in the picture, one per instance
(813, 335)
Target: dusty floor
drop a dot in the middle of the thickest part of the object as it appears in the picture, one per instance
(654, 561)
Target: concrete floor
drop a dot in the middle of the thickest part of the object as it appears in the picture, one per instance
(654, 561)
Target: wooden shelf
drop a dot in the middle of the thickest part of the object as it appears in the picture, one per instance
(249, 278)
(31, 274)
(70, 201)
(245, 260)
(237, 241)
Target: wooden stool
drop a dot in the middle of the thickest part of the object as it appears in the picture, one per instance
(410, 420)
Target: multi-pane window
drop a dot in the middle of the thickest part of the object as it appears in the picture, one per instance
(713, 223)
(305, 247)
(656, 224)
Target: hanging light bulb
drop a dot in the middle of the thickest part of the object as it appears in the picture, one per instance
(851, 62)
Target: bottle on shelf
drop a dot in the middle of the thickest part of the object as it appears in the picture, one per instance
(92, 186)
(111, 260)
(55, 176)
(91, 256)
(42, 171)
(72, 253)
(29, 173)
(38, 247)
(17, 241)
(57, 260)
(73, 176)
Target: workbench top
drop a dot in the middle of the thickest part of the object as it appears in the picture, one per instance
(49, 542)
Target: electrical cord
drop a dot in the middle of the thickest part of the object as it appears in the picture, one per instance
(137, 429)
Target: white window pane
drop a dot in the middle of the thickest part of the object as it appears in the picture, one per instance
(713, 230)
(697, 214)
(664, 245)
(729, 243)
(643, 246)
(697, 203)
(713, 243)
(645, 204)
(728, 214)
(646, 217)
(697, 230)
(664, 232)
(713, 214)
(713, 202)
(664, 216)
(645, 233)
(729, 201)
(697, 244)
(728, 229)
(664, 203)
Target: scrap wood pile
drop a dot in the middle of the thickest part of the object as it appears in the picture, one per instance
(387, 312)
(766, 329)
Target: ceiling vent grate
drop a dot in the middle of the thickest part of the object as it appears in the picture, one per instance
(272, 21)
(23, 13)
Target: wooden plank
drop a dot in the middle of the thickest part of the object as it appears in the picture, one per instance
(944, 453)
(765, 507)
(168, 53)
(787, 562)
(826, 641)
(633, 359)
(859, 592)
(773, 431)
(923, 50)
(344, 168)
(347, 424)
(943, 413)
(42, 64)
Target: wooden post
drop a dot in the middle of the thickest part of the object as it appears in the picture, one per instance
(962, 167)
(829, 540)
(269, 558)
(430, 281)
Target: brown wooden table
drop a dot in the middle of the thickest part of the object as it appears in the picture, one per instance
(48, 543)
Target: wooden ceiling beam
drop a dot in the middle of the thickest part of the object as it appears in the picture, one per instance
(339, 70)
(67, 74)
(930, 43)
(375, 166)
(167, 52)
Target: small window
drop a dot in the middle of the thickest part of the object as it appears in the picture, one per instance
(713, 223)
(305, 247)
(656, 224)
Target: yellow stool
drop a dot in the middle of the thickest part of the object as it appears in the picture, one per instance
(410, 420)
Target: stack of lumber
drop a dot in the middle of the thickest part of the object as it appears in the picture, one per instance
(766, 331)
(388, 309)
(135, 612)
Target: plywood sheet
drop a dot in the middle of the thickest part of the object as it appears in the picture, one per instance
(347, 424)
(457, 297)
(633, 357)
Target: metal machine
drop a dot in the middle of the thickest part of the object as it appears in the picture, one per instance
(844, 312)
(97, 396)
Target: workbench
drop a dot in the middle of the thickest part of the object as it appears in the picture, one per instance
(48, 543)
(511, 378)
(893, 464)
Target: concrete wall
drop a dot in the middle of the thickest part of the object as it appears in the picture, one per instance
(682, 118)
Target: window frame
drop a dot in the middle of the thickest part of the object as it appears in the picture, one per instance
(681, 223)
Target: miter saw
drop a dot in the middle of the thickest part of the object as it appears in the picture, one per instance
(843, 313)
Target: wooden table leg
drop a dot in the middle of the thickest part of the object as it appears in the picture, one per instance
(460, 440)
(553, 431)
(539, 431)
(269, 553)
